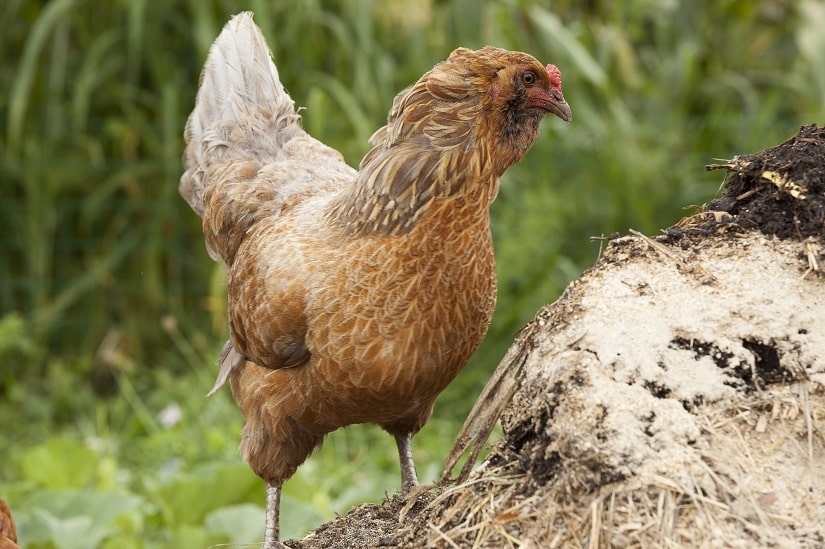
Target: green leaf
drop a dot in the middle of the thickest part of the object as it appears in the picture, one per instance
(59, 464)
(74, 519)
(240, 524)
(73, 532)
(300, 514)
(187, 498)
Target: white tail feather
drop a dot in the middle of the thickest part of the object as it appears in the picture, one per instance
(246, 151)
(239, 90)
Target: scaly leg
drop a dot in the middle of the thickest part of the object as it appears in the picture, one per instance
(273, 509)
(408, 477)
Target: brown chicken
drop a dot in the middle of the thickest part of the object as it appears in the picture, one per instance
(353, 296)
(8, 532)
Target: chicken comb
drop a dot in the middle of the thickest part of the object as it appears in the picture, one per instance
(555, 75)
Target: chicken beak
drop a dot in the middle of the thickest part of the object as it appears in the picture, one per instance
(550, 100)
(558, 106)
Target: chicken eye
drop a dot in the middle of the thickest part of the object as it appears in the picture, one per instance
(529, 78)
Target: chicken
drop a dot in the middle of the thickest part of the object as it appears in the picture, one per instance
(353, 296)
(8, 532)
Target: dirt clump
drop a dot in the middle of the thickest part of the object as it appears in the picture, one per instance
(780, 191)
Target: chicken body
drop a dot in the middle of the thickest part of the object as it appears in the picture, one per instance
(353, 297)
(377, 326)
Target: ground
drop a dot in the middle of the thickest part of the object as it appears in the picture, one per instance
(674, 395)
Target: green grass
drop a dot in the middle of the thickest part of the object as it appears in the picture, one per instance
(111, 312)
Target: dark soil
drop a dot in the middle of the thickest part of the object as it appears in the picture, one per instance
(779, 191)
(364, 526)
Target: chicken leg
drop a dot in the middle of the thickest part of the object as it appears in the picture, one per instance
(409, 479)
(272, 528)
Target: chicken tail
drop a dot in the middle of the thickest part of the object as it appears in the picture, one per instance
(241, 120)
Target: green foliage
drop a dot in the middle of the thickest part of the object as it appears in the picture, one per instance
(111, 312)
(77, 520)
(186, 498)
(238, 523)
(59, 464)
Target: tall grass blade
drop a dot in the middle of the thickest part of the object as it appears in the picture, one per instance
(20, 93)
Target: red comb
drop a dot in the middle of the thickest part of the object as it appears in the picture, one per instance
(555, 75)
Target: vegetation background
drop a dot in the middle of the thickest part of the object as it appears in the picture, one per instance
(111, 314)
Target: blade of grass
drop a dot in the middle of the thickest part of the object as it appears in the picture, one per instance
(20, 93)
